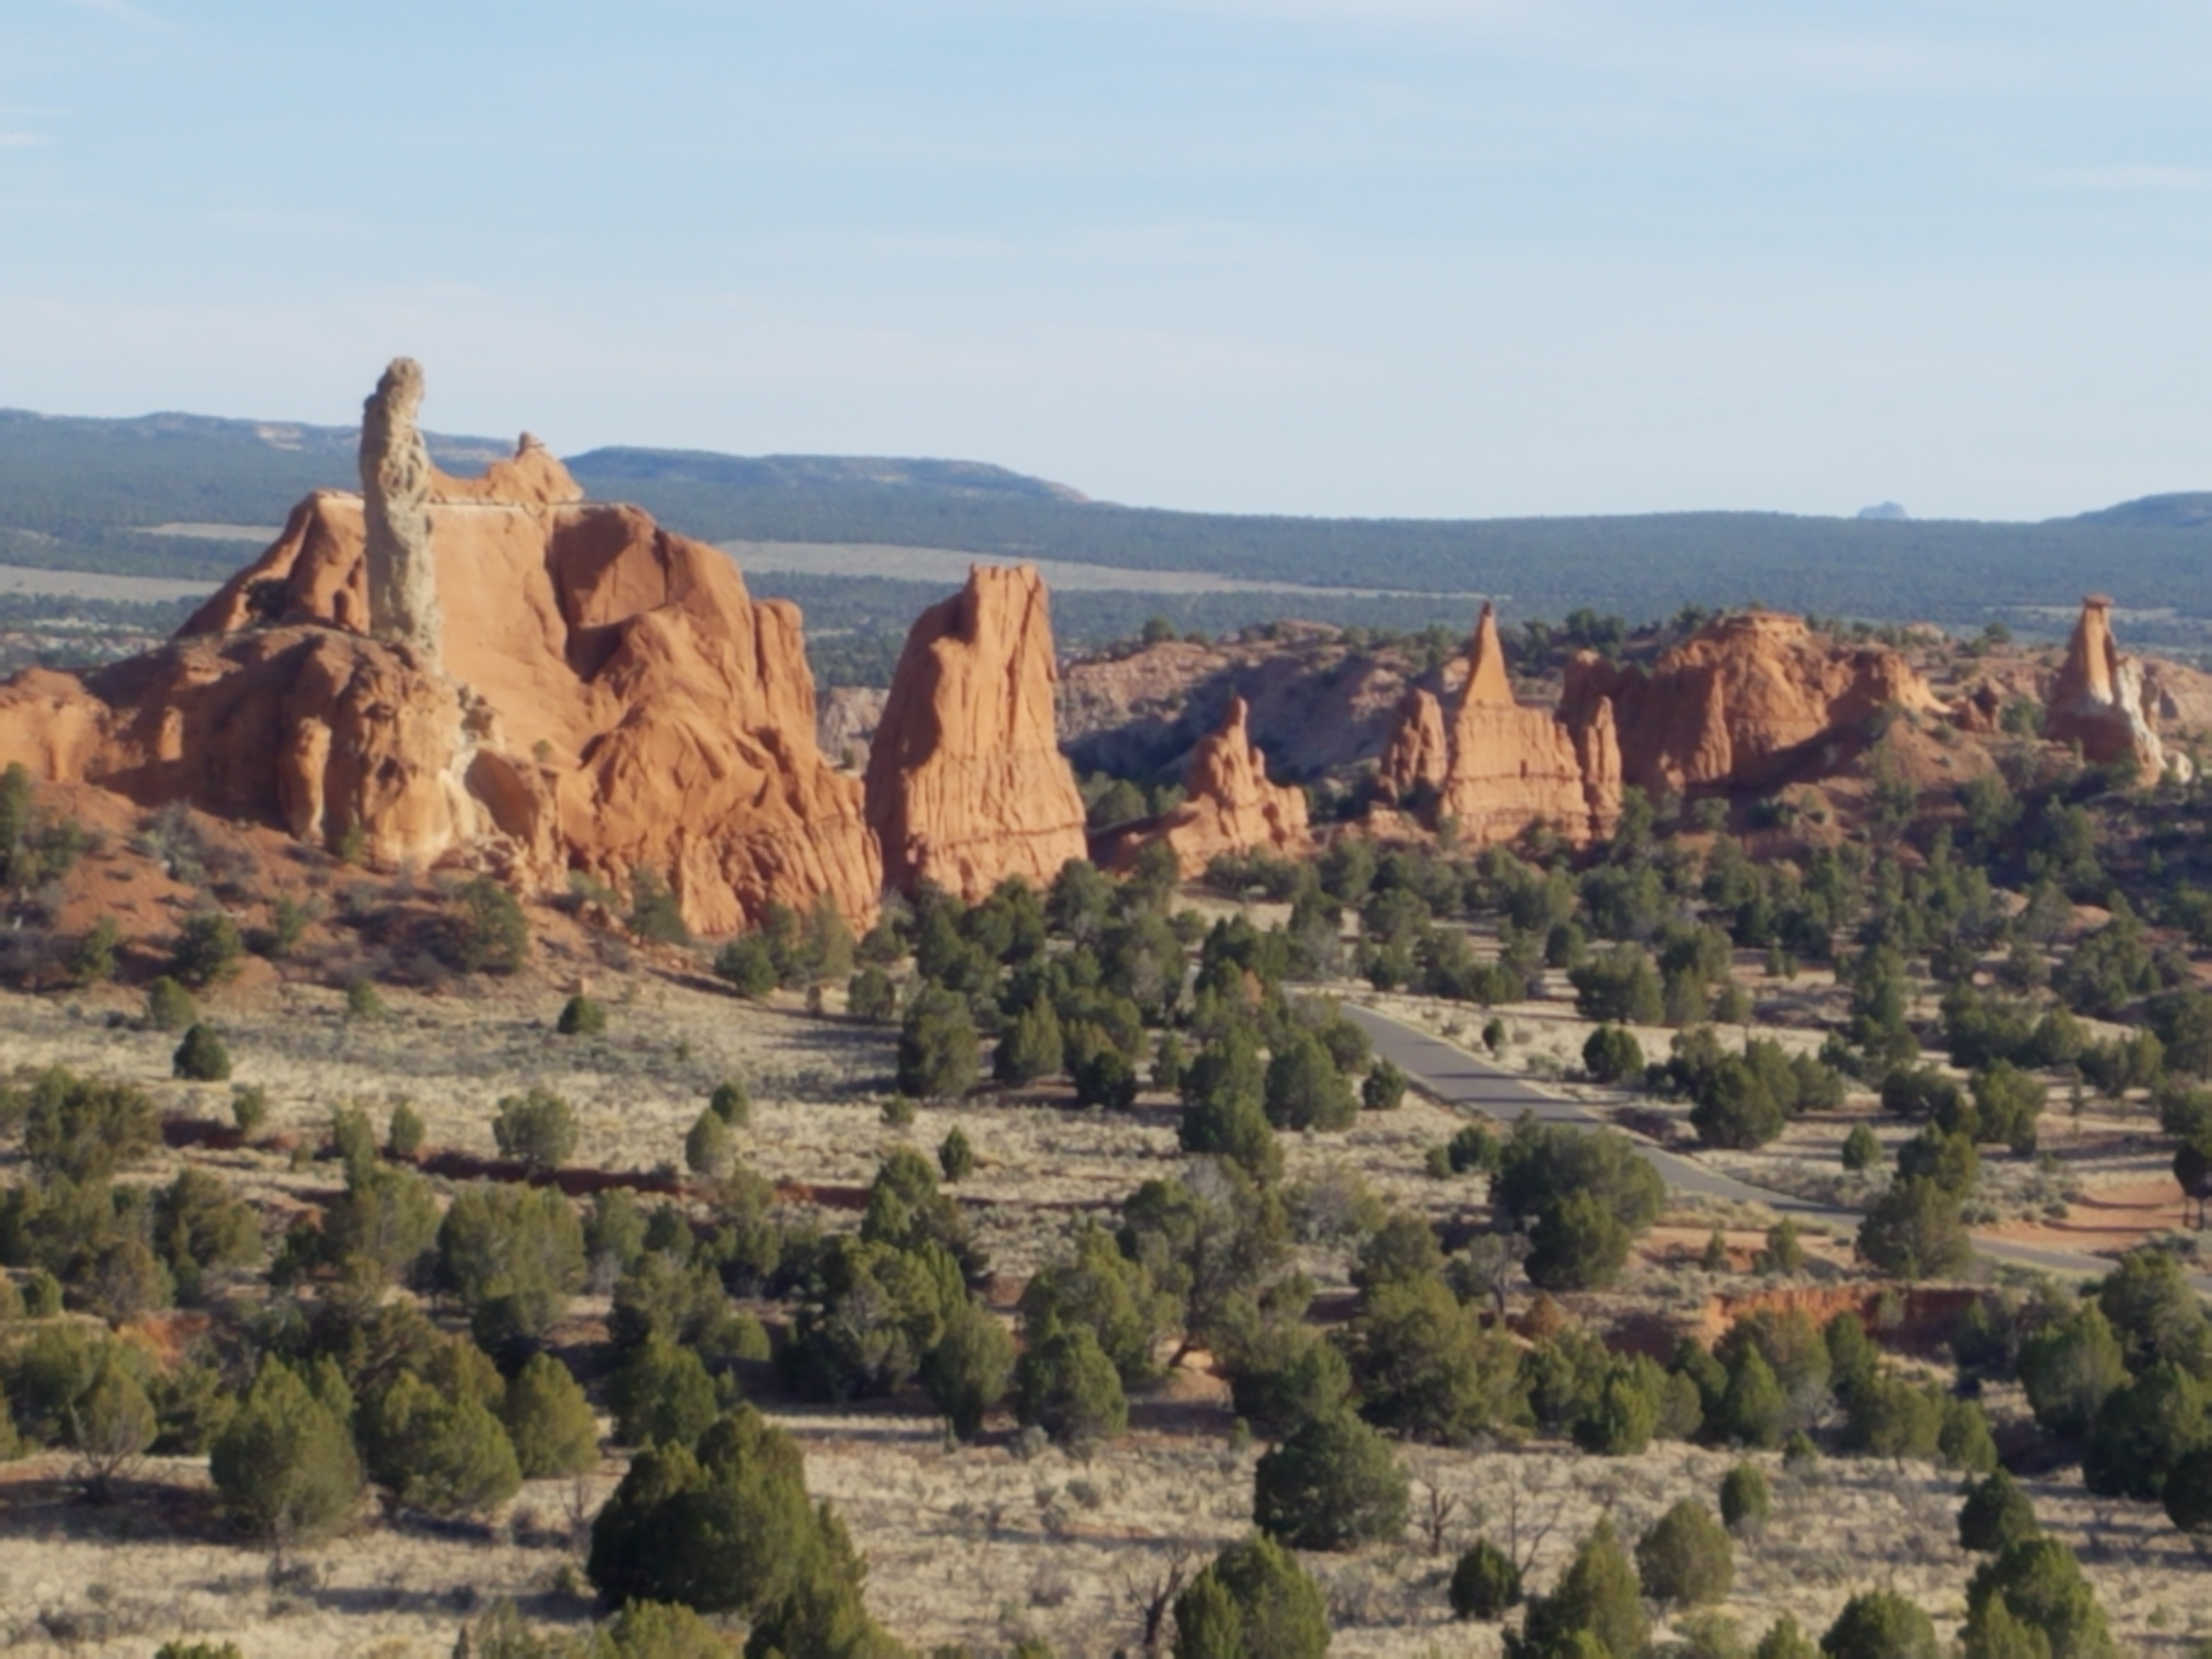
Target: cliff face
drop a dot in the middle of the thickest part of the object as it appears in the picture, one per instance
(965, 782)
(1494, 768)
(1229, 806)
(2097, 698)
(1752, 701)
(593, 693)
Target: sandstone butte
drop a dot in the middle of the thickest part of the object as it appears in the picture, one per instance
(1493, 769)
(2096, 699)
(603, 695)
(965, 783)
(1749, 702)
(1228, 806)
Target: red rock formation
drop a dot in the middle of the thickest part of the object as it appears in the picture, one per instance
(965, 783)
(1229, 806)
(1498, 767)
(1419, 756)
(1753, 701)
(610, 698)
(2097, 698)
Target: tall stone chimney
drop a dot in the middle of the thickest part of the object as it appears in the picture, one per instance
(395, 487)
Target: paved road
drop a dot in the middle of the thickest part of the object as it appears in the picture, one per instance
(1455, 1076)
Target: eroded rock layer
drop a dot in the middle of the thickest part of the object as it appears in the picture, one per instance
(1229, 806)
(965, 782)
(1495, 768)
(1752, 701)
(605, 697)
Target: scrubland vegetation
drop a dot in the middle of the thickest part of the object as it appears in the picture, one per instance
(1066, 1272)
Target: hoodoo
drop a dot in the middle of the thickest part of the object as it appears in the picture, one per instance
(1753, 701)
(2096, 699)
(965, 782)
(600, 694)
(1496, 767)
(1228, 805)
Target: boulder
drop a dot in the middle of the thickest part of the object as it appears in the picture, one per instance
(1751, 702)
(2098, 701)
(1228, 806)
(965, 782)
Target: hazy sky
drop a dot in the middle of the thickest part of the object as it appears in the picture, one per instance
(1385, 257)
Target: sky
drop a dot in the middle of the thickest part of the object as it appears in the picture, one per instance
(1381, 257)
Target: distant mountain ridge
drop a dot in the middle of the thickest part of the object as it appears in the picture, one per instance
(79, 493)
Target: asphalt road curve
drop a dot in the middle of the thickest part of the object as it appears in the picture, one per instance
(1456, 1077)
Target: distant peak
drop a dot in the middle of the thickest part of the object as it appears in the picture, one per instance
(1884, 510)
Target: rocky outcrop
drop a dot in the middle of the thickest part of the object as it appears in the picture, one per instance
(965, 782)
(1319, 700)
(1228, 806)
(1752, 701)
(606, 696)
(395, 486)
(1494, 768)
(2097, 699)
(1418, 759)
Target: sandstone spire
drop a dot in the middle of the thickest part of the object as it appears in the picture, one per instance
(966, 784)
(1228, 805)
(1419, 756)
(396, 478)
(2096, 699)
(1487, 682)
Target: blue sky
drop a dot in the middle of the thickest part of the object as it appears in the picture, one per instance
(1393, 257)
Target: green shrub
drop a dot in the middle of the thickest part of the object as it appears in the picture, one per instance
(1253, 1601)
(538, 1129)
(82, 1129)
(92, 959)
(1303, 1088)
(1067, 1386)
(1611, 1055)
(955, 1156)
(403, 1132)
(966, 1370)
(1745, 1500)
(869, 995)
(208, 950)
(1997, 1513)
(2035, 1587)
(488, 932)
(285, 1466)
(1383, 1088)
(512, 1256)
(444, 1454)
(201, 1057)
(169, 1006)
(363, 1002)
(1915, 1231)
(581, 1017)
(1332, 1484)
(661, 1396)
(749, 964)
(707, 1148)
(1880, 1625)
(1033, 1047)
(1485, 1582)
(1685, 1557)
(731, 1530)
(1597, 1597)
(937, 1051)
(1862, 1149)
(732, 1102)
(549, 1421)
